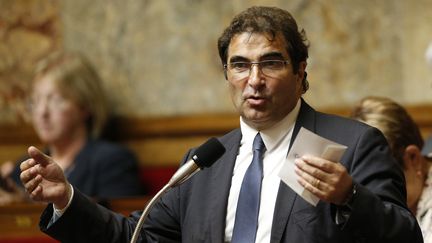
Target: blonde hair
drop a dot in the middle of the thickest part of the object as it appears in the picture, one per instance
(78, 81)
(392, 120)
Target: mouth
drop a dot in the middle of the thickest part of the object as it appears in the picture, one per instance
(43, 126)
(255, 100)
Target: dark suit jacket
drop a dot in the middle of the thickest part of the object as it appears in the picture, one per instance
(195, 211)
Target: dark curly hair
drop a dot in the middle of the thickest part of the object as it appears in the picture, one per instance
(271, 20)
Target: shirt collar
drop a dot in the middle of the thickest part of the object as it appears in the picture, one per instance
(273, 135)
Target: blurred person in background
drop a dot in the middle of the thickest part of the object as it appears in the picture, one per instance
(407, 146)
(68, 111)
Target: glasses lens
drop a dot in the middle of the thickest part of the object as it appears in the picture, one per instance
(271, 67)
(240, 70)
(240, 67)
(51, 102)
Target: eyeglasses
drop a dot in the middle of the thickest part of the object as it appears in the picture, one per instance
(240, 70)
(52, 102)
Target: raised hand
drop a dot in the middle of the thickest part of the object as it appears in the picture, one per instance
(44, 180)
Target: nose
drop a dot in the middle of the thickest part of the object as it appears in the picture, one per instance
(255, 76)
(40, 107)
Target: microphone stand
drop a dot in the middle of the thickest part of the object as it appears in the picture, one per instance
(181, 175)
(146, 212)
(204, 156)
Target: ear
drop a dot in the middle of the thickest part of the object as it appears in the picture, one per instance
(413, 157)
(301, 70)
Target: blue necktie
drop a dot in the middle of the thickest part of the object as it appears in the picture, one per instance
(246, 220)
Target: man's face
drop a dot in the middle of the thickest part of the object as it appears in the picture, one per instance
(261, 99)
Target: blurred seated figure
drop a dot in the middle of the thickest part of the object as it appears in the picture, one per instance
(407, 146)
(69, 110)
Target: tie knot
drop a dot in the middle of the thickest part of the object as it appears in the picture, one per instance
(258, 143)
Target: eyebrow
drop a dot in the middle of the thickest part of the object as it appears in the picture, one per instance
(238, 59)
(267, 56)
(272, 55)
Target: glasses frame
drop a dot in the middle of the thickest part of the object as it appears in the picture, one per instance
(250, 65)
(51, 102)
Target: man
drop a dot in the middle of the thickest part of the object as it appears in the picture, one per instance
(264, 57)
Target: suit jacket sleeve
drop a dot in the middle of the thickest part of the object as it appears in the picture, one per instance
(379, 210)
(86, 221)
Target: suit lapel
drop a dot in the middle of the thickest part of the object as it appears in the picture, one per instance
(286, 196)
(221, 183)
(306, 119)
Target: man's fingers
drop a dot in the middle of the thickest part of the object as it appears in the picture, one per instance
(26, 175)
(30, 173)
(36, 194)
(310, 171)
(322, 164)
(26, 164)
(32, 184)
(38, 156)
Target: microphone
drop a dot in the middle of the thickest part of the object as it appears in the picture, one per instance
(204, 156)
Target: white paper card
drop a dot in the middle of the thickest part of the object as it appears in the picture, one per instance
(308, 142)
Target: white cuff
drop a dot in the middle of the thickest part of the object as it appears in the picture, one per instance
(59, 212)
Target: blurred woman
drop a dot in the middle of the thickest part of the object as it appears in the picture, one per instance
(406, 145)
(69, 110)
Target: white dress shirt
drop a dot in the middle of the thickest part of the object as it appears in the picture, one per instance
(277, 141)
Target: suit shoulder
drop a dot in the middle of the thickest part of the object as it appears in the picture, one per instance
(232, 136)
(340, 121)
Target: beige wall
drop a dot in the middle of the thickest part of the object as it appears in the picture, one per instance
(29, 29)
(159, 57)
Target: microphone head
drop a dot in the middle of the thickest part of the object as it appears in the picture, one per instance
(208, 153)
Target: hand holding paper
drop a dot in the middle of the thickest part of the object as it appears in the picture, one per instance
(320, 176)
